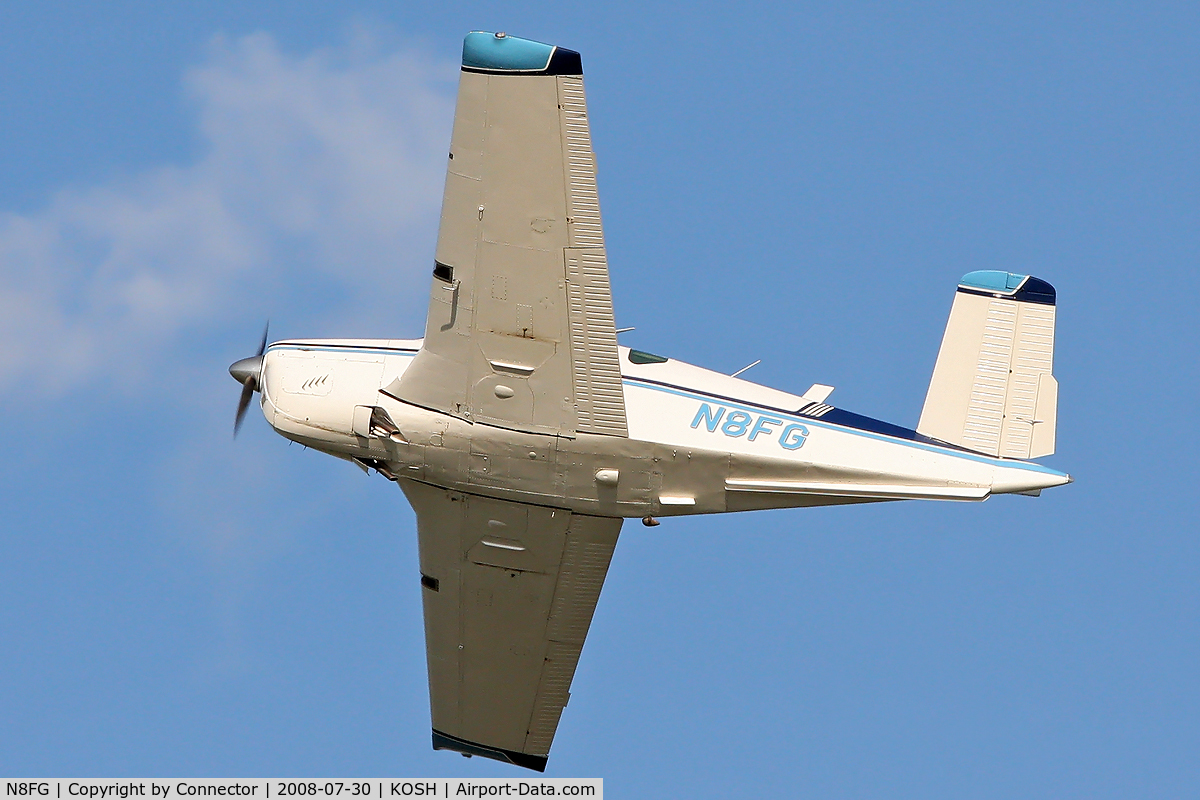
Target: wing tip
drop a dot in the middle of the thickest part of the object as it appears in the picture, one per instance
(443, 741)
(501, 54)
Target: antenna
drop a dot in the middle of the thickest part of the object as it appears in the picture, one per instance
(743, 369)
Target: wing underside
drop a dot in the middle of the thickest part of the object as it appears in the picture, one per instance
(520, 332)
(509, 590)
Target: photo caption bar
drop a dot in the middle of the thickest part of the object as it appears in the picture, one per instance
(269, 788)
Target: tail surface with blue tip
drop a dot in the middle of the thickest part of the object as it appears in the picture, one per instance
(992, 389)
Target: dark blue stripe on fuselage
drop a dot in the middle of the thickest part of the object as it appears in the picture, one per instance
(848, 419)
(343, 348)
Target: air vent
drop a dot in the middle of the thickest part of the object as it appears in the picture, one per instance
(515, 369)
(816, 409)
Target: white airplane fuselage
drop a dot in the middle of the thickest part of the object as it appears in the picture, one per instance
(700, 442)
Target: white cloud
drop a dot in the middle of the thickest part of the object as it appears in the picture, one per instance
(316, 192)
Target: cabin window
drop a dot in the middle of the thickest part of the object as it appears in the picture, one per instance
(443, 272)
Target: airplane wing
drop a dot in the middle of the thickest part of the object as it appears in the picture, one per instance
(520, 329)
(509, 590)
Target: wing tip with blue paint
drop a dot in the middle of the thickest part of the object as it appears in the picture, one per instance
(444, 741)
(501, 54)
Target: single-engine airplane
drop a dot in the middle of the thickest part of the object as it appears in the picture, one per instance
(523, 434)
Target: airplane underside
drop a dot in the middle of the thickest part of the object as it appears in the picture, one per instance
(522, 434)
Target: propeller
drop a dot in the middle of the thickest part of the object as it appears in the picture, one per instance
(246, 372)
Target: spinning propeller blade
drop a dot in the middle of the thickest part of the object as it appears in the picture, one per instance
(246, 372)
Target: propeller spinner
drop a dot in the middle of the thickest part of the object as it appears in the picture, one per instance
(246, 372)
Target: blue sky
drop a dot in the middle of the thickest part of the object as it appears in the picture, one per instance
(797, 183)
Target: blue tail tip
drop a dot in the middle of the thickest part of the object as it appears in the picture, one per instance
(1009, 285)
(501, 54)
